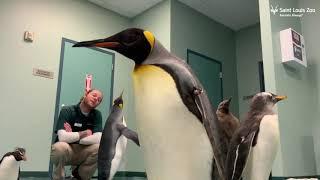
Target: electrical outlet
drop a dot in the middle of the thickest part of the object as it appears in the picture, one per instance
(28, 36)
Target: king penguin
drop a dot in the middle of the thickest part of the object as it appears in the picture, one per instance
(254, 145)
(114, 141)
(177, 128)
(228, 122)
(10, 164)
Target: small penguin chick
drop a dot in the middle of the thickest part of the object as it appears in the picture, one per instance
(228, 122)
(10, 164)
(19, 154)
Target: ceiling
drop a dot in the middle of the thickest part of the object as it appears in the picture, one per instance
(234, 14)
(128, 8)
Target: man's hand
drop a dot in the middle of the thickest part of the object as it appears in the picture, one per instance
(67, 127)
(85, 133)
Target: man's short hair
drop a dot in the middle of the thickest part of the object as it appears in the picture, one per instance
(81, 99)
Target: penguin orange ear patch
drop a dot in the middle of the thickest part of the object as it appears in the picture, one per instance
(150, 38)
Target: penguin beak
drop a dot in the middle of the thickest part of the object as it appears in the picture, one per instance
(280, 98)
(121, 94)
(103, 43)
(121, 105)
(24, 158)
(229, 100)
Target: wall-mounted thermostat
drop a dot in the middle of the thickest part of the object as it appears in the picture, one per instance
(292, 48)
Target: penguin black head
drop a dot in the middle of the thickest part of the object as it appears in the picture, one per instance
(118, 101)
(19, 154)
(133, 43)
(223, 106)
(265, 100)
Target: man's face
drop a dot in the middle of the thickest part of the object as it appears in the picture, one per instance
(93, 99)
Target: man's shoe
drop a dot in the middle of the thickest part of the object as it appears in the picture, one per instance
(75, 174)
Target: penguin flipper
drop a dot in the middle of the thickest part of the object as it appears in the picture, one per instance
(5, 155)
(196, 100)
(128, 133)
(213, 130)
(238, 154)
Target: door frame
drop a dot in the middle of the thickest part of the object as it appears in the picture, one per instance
(210, 59)
(261, 76)
(56, 113)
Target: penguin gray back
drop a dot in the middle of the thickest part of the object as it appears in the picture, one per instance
(109, 138)
(112, 143)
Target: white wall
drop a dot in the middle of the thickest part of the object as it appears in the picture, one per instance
(296, 155)
(248, 54)
(195, 31)
(310, 30)
(28, 102)
(156, 20)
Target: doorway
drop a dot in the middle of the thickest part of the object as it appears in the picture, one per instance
(209, 72)
(75, 64)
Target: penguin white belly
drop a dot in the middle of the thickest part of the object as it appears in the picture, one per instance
(174, 142)
(120, 150)
(9, 168)
(263, 153)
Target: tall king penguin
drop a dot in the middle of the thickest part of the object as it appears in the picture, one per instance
(10, 164)
(177, 128)
(114, 141)
(254, 145)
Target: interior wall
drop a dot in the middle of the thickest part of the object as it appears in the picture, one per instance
(157, 21)
(297, 113)
(269, 74)
(248, 54)
(310, 28)
(192, 30)
(28, 102)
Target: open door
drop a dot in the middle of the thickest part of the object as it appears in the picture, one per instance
(209, 72)
(75, 64)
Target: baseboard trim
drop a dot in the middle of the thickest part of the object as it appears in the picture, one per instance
(137, 174)
(285, 178)
(130, 174)
(118, 174)
(34, 174)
